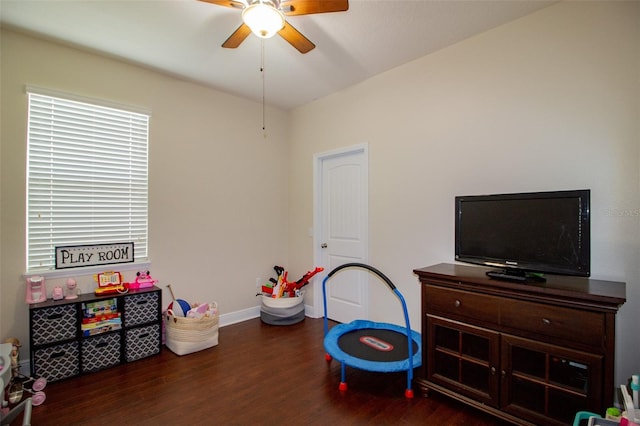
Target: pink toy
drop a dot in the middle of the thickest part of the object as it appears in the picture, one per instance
(143, 280)
(198, 311)
(57, 293)
(72, 292)
(36, 290)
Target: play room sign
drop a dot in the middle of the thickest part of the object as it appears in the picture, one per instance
(92, 255)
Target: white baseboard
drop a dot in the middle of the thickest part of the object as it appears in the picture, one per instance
(239, 316)
(310, 312)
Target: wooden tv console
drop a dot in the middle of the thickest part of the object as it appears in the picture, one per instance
(526, 353)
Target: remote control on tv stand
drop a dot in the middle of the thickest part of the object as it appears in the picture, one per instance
(521, 278)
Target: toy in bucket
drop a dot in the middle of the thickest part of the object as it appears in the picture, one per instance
(282, 300)
(281, 287)
(178, 307)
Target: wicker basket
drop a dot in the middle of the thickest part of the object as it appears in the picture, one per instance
(188, 335)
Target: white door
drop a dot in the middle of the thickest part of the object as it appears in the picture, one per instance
(342, 229)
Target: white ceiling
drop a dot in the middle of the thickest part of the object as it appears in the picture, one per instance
(183, 38)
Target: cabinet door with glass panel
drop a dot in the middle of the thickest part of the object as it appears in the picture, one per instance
(548, 383)
(464, 358)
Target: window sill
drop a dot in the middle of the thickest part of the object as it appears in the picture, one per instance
(88, 270)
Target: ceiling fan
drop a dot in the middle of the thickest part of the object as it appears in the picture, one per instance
(265, 18)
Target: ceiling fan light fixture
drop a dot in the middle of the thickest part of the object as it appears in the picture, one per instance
(263, 19)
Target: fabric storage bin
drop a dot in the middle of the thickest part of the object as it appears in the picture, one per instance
(53, 324)
(188, 335)
(282, 316)
(282, 310)
(141, 308)
(100, 352)
(141, 342)
(58, 362)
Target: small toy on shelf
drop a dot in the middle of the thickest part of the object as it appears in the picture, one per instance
(57, 293)
(109, 283)
(143, 280)
(36, 290)
(72, 291)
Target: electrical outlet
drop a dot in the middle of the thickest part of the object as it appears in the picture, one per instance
(259, 284)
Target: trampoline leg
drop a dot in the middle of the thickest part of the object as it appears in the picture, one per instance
(343, 381)
(408, 393)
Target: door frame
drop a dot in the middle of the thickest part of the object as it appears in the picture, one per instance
(318, 159)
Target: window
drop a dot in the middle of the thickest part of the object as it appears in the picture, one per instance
(87, 177)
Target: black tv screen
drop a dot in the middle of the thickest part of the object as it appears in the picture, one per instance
(540, 232)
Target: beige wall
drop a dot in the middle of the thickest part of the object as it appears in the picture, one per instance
(550, 101)
(218, 188)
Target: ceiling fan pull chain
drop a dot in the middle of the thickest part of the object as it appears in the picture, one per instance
(264, 133)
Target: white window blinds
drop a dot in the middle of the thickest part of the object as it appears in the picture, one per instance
(87, 177)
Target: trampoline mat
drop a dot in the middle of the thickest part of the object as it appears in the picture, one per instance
(376, 344)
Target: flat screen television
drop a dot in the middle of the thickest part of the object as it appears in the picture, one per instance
(525, 235)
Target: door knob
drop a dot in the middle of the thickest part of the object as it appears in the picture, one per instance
(323, 245)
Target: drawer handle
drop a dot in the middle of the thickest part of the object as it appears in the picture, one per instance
(457, 303)
(56, 355)
(54, 316)
(102, 345)
(142, 302)
(143, 335)
(493, 371)
(546, 321)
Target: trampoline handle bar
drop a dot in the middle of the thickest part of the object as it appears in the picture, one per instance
(362, 265)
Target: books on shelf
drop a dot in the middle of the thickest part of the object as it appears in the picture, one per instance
(101, 329)
(100, 316)
(99, 307)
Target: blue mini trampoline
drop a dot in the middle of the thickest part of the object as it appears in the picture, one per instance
(372, 346)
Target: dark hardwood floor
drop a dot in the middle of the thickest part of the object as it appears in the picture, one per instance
(258, 374)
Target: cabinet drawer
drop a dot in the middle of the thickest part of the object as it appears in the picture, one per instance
(142, 342)
(100, 352)
(141, 308)
(460, 303)
(53, 324)
(555, 321)
(57, 362)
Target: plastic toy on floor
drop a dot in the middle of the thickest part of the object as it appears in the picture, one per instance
(629, 417)
(19, 383)
(7, 416)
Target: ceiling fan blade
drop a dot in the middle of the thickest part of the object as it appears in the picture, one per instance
(236, 4)
(295, 38)
(237, 37)
(307, 7)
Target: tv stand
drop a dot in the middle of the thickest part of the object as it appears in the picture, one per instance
(530, 354)
(516, 275)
